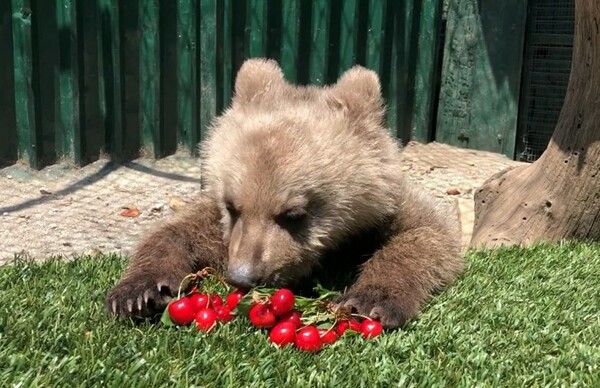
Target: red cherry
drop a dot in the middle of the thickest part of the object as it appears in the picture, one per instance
(283, 301)
(370, 328)
(284, 333)
(224, 313)
(182, 311)
(200, 301)
(328, 336)
(341, 327)
(261, 315)
(234, 298)
(308, 339)
(293, 317)
(351, 324)
(215, 301)
(206, 319)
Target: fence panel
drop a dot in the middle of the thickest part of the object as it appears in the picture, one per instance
(8, 128)
(83, 78)
(68, 123)
(483, 59)
(27, 132)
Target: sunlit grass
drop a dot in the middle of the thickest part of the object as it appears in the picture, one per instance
(518, 317)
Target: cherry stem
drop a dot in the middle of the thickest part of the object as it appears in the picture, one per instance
(202, 274)
(361, 316)
(183, 281)
(331, 328)
(261, 298)
(211, 272)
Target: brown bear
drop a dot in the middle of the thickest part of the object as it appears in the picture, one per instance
(298, 180)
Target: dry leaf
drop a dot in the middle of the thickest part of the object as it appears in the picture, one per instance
(176, 203)
(453, 191)
(130, 212)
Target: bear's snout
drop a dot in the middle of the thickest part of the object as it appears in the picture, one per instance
(242, 276)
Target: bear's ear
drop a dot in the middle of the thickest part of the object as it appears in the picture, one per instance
(358, 92)
(255, 78)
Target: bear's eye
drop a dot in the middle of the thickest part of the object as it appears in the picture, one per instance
(291, 218)
(233, 211)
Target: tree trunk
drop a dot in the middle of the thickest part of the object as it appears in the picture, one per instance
(558, 196)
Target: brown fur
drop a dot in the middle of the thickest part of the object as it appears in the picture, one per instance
(295, 177)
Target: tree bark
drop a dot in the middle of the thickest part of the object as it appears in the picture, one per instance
(558, 196)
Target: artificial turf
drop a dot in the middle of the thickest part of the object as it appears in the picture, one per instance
(517, 317)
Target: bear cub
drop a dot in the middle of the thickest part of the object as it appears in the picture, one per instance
(300, 179)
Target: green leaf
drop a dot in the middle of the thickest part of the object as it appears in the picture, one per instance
(165, 319)
(325, 325)
(325, 293)
(244, 305)
(351, 333)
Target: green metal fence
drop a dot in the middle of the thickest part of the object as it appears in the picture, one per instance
(505, 70)
(79, 78)
(546, 70)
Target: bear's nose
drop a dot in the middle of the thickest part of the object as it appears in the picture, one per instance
(241, 276)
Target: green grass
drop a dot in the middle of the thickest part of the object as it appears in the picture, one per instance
(516, 318)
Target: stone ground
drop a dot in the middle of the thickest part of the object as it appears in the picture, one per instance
(68, 211)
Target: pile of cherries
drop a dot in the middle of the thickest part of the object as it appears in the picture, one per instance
(276, 310)
(205, 309)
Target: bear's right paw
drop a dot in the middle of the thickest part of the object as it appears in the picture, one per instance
(378, 303)
(141, 295)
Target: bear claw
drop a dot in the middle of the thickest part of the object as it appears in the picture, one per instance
(140, 297)
(376, 304)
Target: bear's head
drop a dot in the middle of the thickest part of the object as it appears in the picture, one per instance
(297, 170)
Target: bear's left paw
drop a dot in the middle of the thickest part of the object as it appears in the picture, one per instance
(142, 295)
(377, 303)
